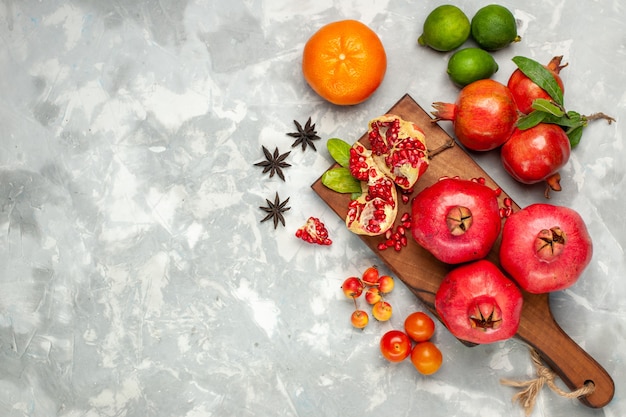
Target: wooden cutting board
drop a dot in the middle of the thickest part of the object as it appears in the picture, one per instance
(422, 273)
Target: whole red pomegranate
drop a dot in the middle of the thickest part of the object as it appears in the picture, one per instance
(478, 303)
(456, 220)
(399, 149)
(484, 115)
(374, 212)
(545, 247)
(536, 154)
(525, 91)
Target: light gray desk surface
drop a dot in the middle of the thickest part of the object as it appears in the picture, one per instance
(136, 278)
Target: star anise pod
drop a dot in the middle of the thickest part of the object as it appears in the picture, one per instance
(275, 210)
(305, 135)
(274, 163)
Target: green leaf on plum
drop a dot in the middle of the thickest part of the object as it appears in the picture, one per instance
(541, 76)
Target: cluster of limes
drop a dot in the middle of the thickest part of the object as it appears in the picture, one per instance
(447, 27)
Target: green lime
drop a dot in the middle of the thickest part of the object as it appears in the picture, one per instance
(445, 28)
(494, 27)
(471, 64)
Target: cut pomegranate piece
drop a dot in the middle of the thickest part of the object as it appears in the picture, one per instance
(314, 231)
(374, 212)
(398, 149)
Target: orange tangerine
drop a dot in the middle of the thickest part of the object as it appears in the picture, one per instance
(344, 62)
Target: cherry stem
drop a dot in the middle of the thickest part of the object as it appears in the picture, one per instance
(449, 144)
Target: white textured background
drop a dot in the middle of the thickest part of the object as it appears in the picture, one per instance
(135, 276)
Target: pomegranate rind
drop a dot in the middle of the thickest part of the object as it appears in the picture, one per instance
(401, 155)
(546, 140)
(483, 116)
(364, 215)
(525, 91)
(519, 258)
(466, 285)
(429, 227)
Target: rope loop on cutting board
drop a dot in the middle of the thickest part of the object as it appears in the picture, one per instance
(545, 376)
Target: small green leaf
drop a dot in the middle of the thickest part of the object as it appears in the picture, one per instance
(541, 76)
(575, 135)
(569, 120)
(576, 118)
(547, 106)
(341, 181)
(339, 150)
(531, 120)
